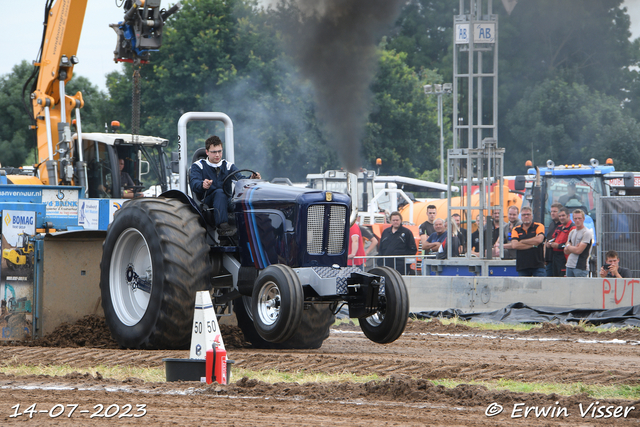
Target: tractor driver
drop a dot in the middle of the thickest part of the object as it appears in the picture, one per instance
(206, 178)
(126, 182)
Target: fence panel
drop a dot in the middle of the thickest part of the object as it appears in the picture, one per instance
(618, 229)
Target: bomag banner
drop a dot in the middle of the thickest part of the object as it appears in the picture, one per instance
(16, 274)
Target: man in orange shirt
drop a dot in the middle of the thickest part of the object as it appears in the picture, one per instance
(527, 239)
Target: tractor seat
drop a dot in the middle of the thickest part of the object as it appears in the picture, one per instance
(201, 153)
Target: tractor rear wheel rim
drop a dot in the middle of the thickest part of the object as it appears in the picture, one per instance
(131, 251)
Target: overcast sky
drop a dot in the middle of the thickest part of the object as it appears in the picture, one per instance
(22, 31)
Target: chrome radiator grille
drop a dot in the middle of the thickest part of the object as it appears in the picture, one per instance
(316, 232)
(336, 229)
(314, 229)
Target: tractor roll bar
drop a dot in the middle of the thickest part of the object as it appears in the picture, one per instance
(182, 140)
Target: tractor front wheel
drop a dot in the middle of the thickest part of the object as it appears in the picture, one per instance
(277, 303)
(389, 322)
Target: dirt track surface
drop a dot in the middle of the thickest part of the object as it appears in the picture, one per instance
(404, 397)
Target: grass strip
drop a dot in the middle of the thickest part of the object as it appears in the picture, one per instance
(112, 372)
(618, 391)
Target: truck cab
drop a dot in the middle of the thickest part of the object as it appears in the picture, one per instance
(574, 186)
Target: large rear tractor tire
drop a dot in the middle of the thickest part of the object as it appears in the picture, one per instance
(314, 326)
(388, 324)
(277, 303)
(155, 258)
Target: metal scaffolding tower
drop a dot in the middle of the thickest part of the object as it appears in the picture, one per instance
(475, 160)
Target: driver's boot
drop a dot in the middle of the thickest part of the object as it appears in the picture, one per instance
(226, 230)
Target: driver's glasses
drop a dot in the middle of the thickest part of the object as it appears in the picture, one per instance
(215, 151)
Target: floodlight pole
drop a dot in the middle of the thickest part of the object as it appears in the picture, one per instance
(439, 89)
(441, 138)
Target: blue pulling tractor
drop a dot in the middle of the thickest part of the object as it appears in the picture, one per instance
(284, 272)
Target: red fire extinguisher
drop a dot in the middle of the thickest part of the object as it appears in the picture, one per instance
(216, 365)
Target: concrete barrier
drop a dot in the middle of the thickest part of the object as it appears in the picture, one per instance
(477, 294)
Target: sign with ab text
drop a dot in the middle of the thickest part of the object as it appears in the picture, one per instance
(483, 32)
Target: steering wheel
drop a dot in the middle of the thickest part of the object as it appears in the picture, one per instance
(234, 173)
(135, 188)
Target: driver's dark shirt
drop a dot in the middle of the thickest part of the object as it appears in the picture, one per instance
(125, 180)
(204, 169)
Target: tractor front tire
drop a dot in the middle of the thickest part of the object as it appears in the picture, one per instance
(155, 258)
(277, 303)
(314, 326)
(389, 322)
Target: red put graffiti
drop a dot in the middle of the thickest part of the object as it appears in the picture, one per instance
(618, 294)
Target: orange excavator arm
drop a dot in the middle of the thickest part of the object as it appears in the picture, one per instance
(51, 105)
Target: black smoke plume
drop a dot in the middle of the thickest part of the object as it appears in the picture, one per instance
(334, 45)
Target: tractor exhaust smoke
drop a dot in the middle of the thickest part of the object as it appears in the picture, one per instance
(334, 44)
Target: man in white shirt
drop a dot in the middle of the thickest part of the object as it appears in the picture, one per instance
(578, 247)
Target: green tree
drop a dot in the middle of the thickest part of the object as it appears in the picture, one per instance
(570, 123)
(17, 142)
(576, 41)
(226, 56)
(583, 41)
(95, 112)
(424, 31)
(15, 138)
(402, 128)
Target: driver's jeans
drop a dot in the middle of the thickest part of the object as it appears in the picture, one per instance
(219, 202)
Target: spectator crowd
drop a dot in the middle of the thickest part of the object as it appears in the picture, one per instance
(562, 249)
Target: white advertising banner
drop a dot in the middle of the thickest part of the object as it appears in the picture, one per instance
(16, 274)
(60, 203)
(89, 214)
(483, 32)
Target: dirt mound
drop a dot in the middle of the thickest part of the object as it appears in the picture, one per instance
(627, 334)
(551, 329)
(416, 326)
(347, 326)
(435, 326)
(233, 337)
(92, 332)
(545, 330)
(578, 332)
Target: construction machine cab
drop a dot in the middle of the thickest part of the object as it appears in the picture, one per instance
(144, 160)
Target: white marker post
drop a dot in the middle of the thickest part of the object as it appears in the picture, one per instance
(205, 331)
